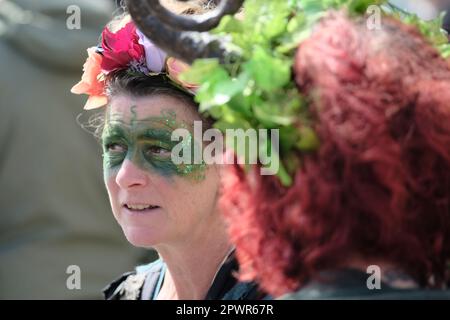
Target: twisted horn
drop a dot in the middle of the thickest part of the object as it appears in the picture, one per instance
(159, 25)
(199, 23)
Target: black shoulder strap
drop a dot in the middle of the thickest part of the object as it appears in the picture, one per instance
(226, 286)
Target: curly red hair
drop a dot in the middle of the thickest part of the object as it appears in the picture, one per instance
(379, 184)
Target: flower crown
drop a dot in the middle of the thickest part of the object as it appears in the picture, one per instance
(127, 49)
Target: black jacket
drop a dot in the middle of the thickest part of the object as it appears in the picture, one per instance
(141, 284)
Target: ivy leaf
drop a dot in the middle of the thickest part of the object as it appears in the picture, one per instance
(312, 6)
(445, 50)
(242, 103)
(207, 95)
(308, 139)
(229, 24)
(200, 70)
(232, 120)
(269, 116)
(276, 18)
(221, 88)
(360, 6)
(297, 32)
(269, 73)
(284, 176)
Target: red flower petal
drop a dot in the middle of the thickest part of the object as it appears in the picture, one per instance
(120, 48)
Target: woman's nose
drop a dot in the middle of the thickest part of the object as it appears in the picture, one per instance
(130, 175)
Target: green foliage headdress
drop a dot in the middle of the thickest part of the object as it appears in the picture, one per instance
(244, 65)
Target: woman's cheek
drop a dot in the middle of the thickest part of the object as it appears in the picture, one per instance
(113, 192)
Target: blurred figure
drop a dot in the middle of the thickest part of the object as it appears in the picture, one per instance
(446, 24)
(440, 5)
(376, 192)
(426, 9)
(423, 8)
(444, 5)
(55, 211)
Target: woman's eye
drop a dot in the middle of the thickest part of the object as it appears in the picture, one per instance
(115, 147)
(157, 150)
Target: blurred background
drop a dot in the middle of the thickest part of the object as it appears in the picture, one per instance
(55, 219)
(426, 9)
(58, 238)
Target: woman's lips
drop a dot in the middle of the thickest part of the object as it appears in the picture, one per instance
(140, 208)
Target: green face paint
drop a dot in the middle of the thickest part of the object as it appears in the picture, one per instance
(147, 143)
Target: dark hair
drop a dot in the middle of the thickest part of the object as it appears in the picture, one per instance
(138, 85)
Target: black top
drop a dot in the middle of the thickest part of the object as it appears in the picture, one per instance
(446, 24)
(144, 284)
(350, 284)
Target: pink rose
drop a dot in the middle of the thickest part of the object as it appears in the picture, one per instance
(174, 69)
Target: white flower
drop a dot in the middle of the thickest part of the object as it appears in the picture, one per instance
(154, 56)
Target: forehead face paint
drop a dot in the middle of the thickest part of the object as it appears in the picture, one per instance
(147, 143)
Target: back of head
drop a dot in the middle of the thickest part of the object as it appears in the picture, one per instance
(378, 187)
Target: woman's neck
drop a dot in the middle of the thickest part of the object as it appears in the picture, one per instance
(192, 264)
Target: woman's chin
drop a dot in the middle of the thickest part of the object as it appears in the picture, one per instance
(140, 237)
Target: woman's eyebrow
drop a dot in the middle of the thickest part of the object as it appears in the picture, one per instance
(155, 133)
(115, 130)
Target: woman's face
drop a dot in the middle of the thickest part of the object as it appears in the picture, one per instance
(155, 201)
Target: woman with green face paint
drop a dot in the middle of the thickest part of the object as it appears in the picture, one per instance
(159, 204)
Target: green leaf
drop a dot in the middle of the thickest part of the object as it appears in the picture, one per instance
(276, 18)
(200, 70)
(445, 50)
(312, 6)
(215, 111)
(289, 136)
(220, 89)
(284, 176)
(308, 139)
(269, 73)
(269, 117)
(231, 122)
(360, 6)
(229, 24)
(206, 96)
(243, 104)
